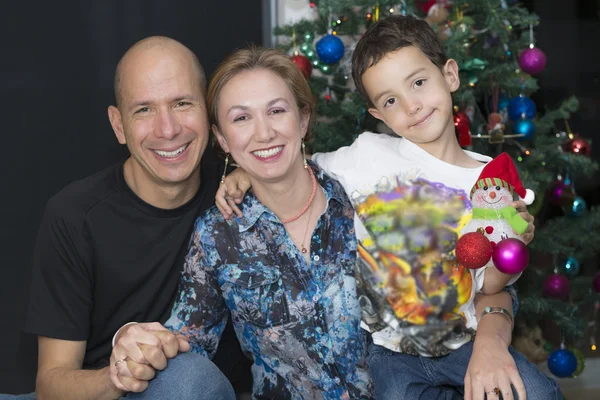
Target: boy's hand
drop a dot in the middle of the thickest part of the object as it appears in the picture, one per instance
(231, 192)
(523, 213)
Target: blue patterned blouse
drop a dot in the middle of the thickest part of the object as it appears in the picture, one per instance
(299, 322)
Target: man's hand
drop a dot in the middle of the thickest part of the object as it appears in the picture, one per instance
(140, 350)
(231, 193)
(521, 207)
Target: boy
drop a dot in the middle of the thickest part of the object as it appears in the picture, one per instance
(400, 68)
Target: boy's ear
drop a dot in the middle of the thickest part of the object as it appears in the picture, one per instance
(451, 75)
(373, 111)
(220, 138)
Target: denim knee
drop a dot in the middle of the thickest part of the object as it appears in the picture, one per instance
(537, 385)
(188, 376)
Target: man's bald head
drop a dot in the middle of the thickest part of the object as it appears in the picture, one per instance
(158, 45)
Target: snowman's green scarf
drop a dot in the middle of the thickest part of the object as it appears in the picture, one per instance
(508, 213)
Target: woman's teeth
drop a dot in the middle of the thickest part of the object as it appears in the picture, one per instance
(267, 153)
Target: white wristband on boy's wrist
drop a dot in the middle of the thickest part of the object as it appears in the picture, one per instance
(119, 330)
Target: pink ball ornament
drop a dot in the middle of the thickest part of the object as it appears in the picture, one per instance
(510, 256)
(557, 286)
(596, 282)
(532, 61)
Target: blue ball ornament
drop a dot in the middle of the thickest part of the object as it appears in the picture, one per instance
(330, 49)
(562, 363)
(571, 267)
(524, 127)
(578, 208)
(521, 107)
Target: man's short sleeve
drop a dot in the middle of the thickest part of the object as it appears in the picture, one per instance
(61, 290)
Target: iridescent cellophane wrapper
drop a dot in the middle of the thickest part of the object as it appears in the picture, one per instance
(408, 277)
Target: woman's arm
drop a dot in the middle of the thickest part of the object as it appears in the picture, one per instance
(200, 312)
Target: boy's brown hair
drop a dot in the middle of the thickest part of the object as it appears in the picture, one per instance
(391, 34)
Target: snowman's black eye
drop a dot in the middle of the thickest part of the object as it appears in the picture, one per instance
(498, 188)
(485, 188)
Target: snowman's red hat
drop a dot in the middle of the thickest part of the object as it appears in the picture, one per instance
(501, 171)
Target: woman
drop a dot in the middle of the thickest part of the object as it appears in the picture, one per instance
(285, 270)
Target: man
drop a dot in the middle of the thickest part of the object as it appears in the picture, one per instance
(111, 246)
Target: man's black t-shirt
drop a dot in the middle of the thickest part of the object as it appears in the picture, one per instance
(104, 257)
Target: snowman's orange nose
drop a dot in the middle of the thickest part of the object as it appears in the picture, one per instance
(493, 195)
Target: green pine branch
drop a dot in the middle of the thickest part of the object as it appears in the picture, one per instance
(577, 236)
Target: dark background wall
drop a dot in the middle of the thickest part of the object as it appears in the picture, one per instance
(56, 68)
(569, 35)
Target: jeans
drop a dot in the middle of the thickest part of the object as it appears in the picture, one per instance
(406, 377)
(187, 376)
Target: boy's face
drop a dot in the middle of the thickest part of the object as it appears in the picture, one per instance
(411, 95)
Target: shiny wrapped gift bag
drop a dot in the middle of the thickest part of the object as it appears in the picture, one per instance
(408, 276)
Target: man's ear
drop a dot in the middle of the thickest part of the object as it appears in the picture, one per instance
(373, 111)
(220, 138)
(114, 116)
(450, 72)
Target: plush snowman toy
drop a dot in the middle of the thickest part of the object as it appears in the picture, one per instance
(497, 187)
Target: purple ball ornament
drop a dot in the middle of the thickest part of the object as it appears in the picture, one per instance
(510, 256)
(562, 194)
(532, 61)
(557, 286)
(596, 282)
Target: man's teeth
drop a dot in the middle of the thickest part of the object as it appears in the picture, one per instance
(171, 153)
(267, 153)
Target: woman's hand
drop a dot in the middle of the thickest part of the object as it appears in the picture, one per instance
(231, 192)
(492, 366)
(139, 351)
(523, 213)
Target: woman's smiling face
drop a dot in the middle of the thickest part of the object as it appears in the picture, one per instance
(260, 124)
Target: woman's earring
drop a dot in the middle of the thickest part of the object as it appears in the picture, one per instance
(225, 169)
(304, 154)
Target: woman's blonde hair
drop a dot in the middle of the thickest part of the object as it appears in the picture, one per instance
(261, 58)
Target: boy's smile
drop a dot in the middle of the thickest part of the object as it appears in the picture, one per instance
(412, 95)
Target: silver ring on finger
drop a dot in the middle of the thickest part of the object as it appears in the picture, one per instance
(119, 362)
(495, 391)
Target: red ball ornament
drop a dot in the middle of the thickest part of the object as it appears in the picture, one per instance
(304, 64)
(578, 145)
(473, 250)
(462, 127)
(557, 286)
(510, 256)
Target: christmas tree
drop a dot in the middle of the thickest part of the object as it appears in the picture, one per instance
(493, 42)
